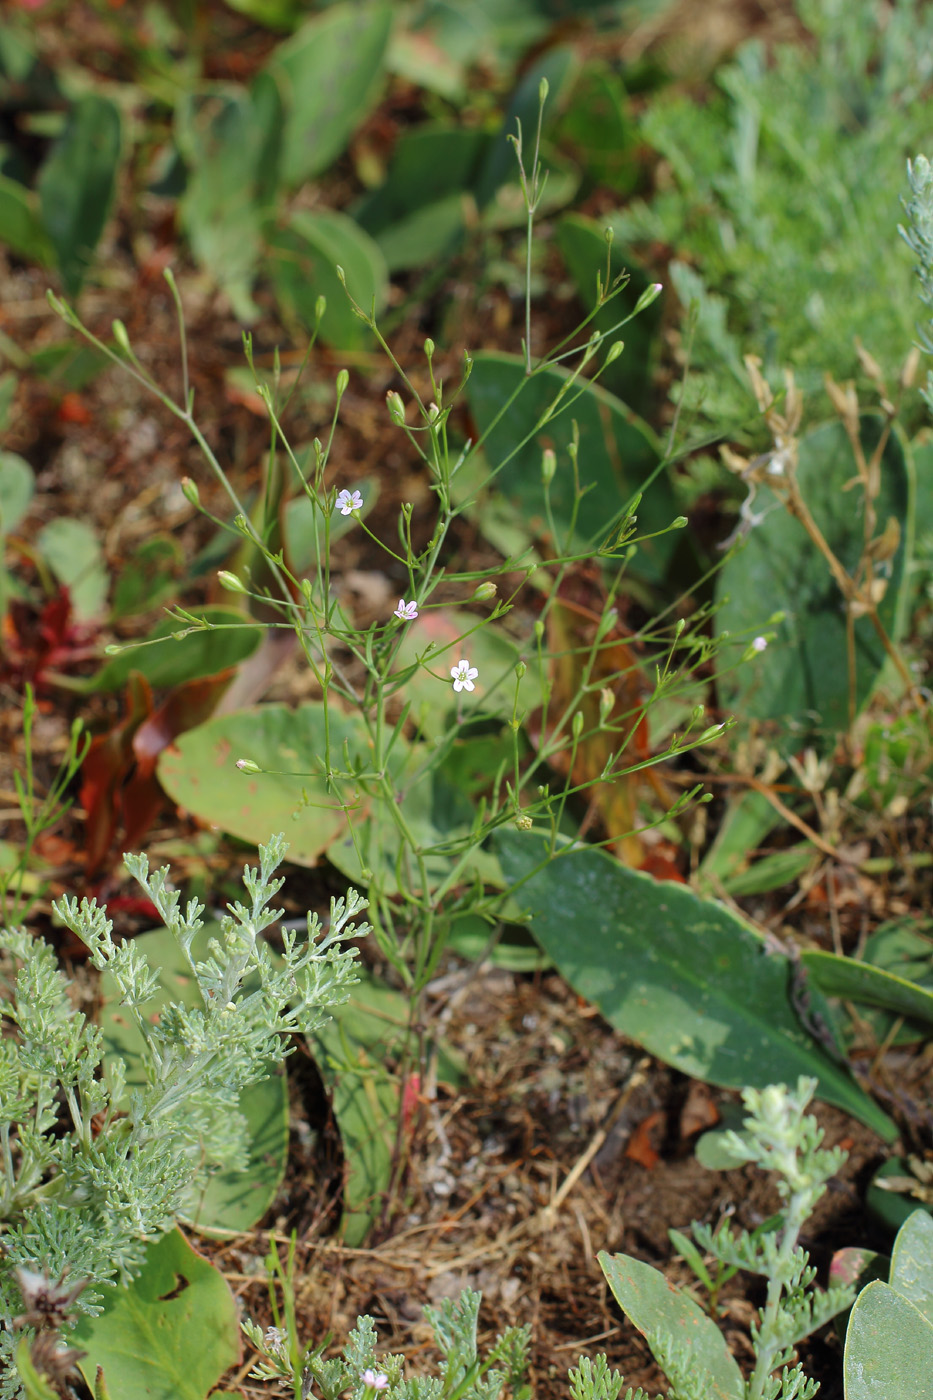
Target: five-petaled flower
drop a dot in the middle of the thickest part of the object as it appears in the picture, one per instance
(759, 644)
(406, 612)
(464, 675)
(349, 501)
(375, 1379)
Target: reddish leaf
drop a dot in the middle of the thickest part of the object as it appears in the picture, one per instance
(73, 409)
(641, 1145)
(699, 1110)
(105, 771)
(38, 640)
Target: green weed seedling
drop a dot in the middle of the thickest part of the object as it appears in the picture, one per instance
(780, 1137)
(89, 1170)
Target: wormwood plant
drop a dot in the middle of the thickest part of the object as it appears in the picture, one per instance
(89, 1169)
(778, 1136)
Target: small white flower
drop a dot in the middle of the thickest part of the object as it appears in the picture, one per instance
(464, 675)
(760, 644)
(406, 612)
(375, 1379)
(348, 502)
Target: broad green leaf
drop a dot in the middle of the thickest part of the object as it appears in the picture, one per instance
(434, 703)
(681, 975)
(148, 577)
(329, 74)
(199, 772)
(170, 1334)
(430, 163)
(618, 456)
(176, 652)
(352, 1051)
(912, 1262)
(73, 553)
(803, 676)
(582, 244)
(20, 226)
(599, 131)
(231, 143)
(303, 259)
(17, 484)
(861, 982)
(76, 185)
(661, 1311)
(889, 1348)
(231, 1201)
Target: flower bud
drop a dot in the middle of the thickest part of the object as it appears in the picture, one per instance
(343, 379)
(615, 350)
(433, 412)
(189, 490)
(121, 337)
(484, 591)
(548, 465)
(429, 347)
(577, 724)
(523, 822)
(246, 765)
(649, 295)
(396, 407)
(230, 582)
(320, 306)
(606, 702)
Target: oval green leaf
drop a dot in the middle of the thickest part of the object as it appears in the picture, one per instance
(170, 1334)
(803, 675)
(678, 974)
(889, 1348)
(664, 1313)
(199, 772)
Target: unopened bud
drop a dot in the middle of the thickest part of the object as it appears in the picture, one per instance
(246, 765)
(121, 337)
(615, 350)
(577, 725)
(606, 702)
(484, 591)
(521, 670)
(189, 490)
(396, 408)
(343, 379)
(649, 295)
(320, 306)
(548, 465)
(523, 822)
(433, 412)
(230, 582)
(429, 347)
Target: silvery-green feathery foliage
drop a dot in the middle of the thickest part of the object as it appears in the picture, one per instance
(361, 1374)
(918, 235)
(781, 1137)
(90, 1170)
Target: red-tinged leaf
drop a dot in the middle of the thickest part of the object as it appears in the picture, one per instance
(73, 409)
(641, 1145)
(659, 861)
(183, 708)
(699, 1111)
(106, 770)
(38, 640)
